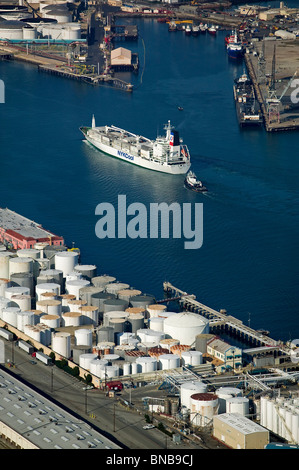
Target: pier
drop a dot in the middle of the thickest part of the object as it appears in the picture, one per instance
(220, 319)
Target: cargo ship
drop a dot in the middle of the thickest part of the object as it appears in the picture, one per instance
(247, 107)
(235, 48)
(166, 154)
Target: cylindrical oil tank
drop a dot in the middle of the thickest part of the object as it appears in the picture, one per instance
(79, 350)
(29, 253)
(55, 274)
(104, 333)
(11, 291)
(61, 343)
(52, 321)
(73, 287)
(203, 407)
(85, 359)
(201, 342)
(99, 299)
(146, 364)
(142, 301)
(153, 337)
(45, 333)
(156, 324)
(117, 324)
(111, 305)
(126, 368)
(115, 287)
(51, 250)
(66, 261)
(90, 315)
(237, 405)
(122, 350)
(51, 307)
(37, 315)
(24, 280)
(188, 389)
(88, 271)
(4, 264)
(75, 305)
(167, 343)
(40, 246)
(169, 361)
(125, 337)
(166, 314)
(46, 287)
(111, 357)
(134, 368)
(65, 298)
(23, 301)
(106, 347)
(49, 296)
(109, 372)
(83, 336)
(126, 294)
(25, 318)
(73, 276)
(156, 309)
(112, 315)
(179, 349)
(86, 293)
(20, 265)
(4, 284)
(96, 365)
(136, 321)
(102, 281)
(33, 332)
(185, 326)
(224, 393)
(9, 315)
(71, 319)
(191, 358)
(136, 311)
(44, 263)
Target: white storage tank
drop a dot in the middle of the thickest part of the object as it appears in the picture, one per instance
(65, 298)
(4, 264)
(102, 281)
(20, 265)
(185, 326)
(191, 358)
(28, 252)
(23, 280)
(169, 361)
(224, 393)
(51, 321)
(85, 359)
(25, 318)
(167, 343)
(73, 287)
(33, 332)
(4, 284)
(75, 305)
(134, 368)
(90, 315)
(237, 405)
(109, 372)
(188, 389)
(96, 365)
(153, 337)
(71, 319)
(115, 287)
(127, 368)
(55, 274)
(73, 276)
(61, 343)
(23, 301)
(83, 336)
(86, 293)
(155, 309)
(66, 261)
(146, 364)
(11, 291)
(46, 287)
(156, 324)
(9, 315)
(126, 294)
(203, 407)
(88, 271)
(51, 307)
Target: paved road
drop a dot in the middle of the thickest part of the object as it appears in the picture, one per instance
(120, 424)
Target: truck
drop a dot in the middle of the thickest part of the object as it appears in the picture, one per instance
(25, 346)
(115, 385)
(6, 334)
(43, 358)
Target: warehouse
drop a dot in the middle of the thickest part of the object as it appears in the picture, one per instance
(238, 432)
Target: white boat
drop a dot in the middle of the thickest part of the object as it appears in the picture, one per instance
(166, 154)
(193, 183)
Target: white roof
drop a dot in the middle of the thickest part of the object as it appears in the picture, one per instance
(186, 320)
(240, 423)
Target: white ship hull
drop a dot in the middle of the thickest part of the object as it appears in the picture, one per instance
(174, 168)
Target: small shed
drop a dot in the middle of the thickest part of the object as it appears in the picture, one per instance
(121, 56)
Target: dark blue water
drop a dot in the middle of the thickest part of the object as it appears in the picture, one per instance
(248, 261)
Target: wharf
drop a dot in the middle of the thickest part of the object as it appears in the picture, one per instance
(282, 56)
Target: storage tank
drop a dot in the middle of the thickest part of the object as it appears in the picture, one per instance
(135, 311)
(40, 246)
(201, 342)
(146, 364)
(125, 337)
(111, 305)
(115, 287)
(156, 324)
(49, 296)
(86, 293)
(11, 291)
(85, 359)
(28, 253)
(99, 299)
(126, 294)
(71, 319)
(203, 407)
(45, 333)
(88, 271)
(23, 301)
(76, 305)
(83, 336)
(51, 307)
(37, 315)
(169, 361)
(79, 350)
(179, 349)
(24, 280)
(11, 29)
(4, 264)
(29, 32)
(224, 393)
(108, 372)
(111, 358)
(20, 265)
(90, 315)
(191, 358)
(25, 318)
(66, 261)
(33, 332)
(47, 287)
(96, 365)
(104, 333)
(168, 343)
(60, 15)
(51, 321)
(61, 343)
(102, 281)
(153, 337)
(73, 287)
(65, 298)
(55, 274)
(126, 368)
(73, 276)
(136, 321)
(134, 368)
(156, 309)
(142, 301)
(114, 314)
(237, 405)
(188, 389)
(4, 284)
(185, 326)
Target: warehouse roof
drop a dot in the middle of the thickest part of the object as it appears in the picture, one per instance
(240, 423)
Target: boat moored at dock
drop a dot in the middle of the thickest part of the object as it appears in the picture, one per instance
(166, 154)
(247, 107)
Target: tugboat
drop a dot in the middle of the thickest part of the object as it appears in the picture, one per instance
(191, 182)
(235, 49)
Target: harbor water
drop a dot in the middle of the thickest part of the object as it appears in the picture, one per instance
(248, 261)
